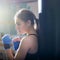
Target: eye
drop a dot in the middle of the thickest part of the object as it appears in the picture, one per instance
(18, 24)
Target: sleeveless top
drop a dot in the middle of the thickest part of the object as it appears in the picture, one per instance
(32, 56)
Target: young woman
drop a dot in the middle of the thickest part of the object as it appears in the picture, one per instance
(25, 22)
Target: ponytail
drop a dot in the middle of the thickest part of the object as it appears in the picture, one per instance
(35, 23)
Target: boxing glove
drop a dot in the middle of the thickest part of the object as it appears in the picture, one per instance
(16, 45)
(6, 39)
(16, 42)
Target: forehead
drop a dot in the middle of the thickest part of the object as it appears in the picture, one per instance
(17, 20)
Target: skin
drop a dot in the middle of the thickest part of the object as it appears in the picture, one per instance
(28, 45)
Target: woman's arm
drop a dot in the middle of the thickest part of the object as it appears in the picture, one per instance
(9, 53)
(21, 51)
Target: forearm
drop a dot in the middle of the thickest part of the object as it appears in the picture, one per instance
(9, 54)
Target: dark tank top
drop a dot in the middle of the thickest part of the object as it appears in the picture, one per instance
(32, 56)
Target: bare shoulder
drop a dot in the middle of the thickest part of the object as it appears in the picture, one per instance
(31, 43)
(30, 40)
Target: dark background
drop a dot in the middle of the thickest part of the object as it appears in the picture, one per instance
(49, 21)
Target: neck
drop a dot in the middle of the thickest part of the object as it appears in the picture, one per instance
(31, 31)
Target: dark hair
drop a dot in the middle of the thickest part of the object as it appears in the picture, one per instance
(26, 15)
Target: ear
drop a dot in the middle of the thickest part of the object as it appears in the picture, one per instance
(29, 22)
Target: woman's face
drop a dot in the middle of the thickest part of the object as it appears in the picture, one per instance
(21, 26)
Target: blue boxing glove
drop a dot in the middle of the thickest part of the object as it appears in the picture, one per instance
(17, 39)
(6, 41)
(16, 45)
(16, 42)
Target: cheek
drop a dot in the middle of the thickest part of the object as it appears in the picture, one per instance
(23, 27)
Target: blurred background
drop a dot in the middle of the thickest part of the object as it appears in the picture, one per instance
(8, 8)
